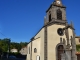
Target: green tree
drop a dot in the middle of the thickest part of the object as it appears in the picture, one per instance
(4, 44)
(78, 48)
(18, 45)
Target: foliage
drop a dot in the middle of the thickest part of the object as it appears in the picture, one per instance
(78, 48)
(15, 45)
(18, 45)
(6, 43)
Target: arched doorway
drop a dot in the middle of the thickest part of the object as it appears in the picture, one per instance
(60, 50)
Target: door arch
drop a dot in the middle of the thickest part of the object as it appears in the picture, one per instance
(60, 50)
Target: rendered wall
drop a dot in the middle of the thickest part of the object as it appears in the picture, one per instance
(54, 39)
(77, 40)
(36, 44)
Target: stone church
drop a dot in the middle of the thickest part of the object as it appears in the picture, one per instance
(56, 39)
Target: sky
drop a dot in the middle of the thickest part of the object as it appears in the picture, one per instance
(20, 20)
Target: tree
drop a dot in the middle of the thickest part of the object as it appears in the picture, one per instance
(78, 48)
(18, 46)
(6, 45)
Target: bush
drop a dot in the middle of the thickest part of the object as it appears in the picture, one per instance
(78, 48)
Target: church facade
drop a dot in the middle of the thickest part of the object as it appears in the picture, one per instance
(56, 39)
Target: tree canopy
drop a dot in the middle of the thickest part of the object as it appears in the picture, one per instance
(6, 43)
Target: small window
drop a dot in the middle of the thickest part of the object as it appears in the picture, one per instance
(59, 14)
(35, 50)
(49, 17)
(79, 40)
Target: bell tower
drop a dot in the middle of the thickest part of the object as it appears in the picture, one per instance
(56, 13)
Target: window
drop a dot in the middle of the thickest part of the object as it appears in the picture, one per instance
(49, 17)
(35, 50)
(59, 14)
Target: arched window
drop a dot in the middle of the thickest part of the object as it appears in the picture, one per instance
(35, 50)
(59, 14)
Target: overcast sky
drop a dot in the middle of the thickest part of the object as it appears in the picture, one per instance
(21, 19)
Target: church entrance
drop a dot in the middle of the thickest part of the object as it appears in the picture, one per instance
(60, 50)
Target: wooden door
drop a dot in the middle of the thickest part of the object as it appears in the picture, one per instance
(60, 50)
